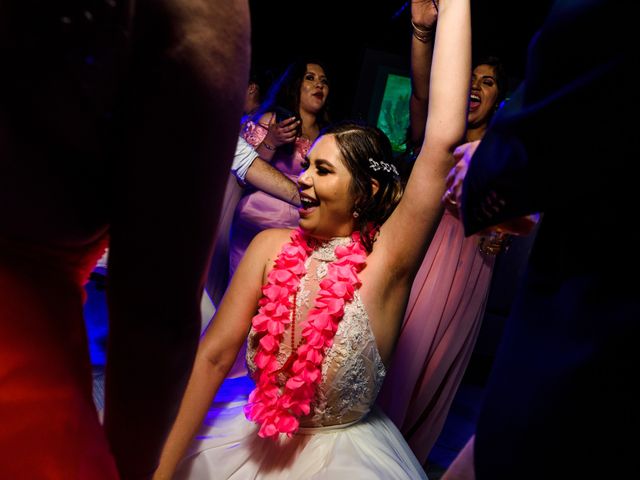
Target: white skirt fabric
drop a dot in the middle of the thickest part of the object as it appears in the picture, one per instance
(228, 447)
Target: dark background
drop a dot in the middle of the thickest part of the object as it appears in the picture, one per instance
(343, 33)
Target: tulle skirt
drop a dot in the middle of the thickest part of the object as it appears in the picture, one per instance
(228, 447)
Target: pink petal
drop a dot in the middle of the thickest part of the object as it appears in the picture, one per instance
(282, 276)
(287, 423)
(299, 365)
(294, 383)
(303, 349)
(320, 320)
(262, 359)
(310, 376)
(301, 408)
(315, 340)
(340, 289)
(274, 292)
(269, 343)
(335, 306)
(282, 310)
(268, 429)
(275, 327)
(259, 322)
(314, 356)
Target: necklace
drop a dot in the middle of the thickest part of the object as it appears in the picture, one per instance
(294, 314)
(277, 408)
(293, 355)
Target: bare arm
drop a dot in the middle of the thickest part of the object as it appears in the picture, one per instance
(186, 62)
(270, 180)
(402, 247)
(218, 349)
(250, 168)
(423, 16)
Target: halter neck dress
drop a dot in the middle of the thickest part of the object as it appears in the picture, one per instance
(344, 435)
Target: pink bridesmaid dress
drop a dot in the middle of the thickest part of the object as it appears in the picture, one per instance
(440, 328)
(246, 212)
(256, 210)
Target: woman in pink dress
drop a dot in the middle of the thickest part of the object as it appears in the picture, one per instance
(282, 131)
(450, 291)
(218, 276)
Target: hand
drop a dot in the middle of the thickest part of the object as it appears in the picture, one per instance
(282, 132)
(492, 203)
(424, 13)
(455, 179)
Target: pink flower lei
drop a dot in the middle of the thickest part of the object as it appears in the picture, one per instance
(277, 409)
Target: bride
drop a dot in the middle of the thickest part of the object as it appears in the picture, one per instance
(330, 298)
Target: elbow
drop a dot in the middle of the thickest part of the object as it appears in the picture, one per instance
(218, 361)
(420, 98)
(444, 143)
(444, 134)
(452, 139)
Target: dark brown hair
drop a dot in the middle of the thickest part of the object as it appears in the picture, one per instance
(360, 146)
(285, 91)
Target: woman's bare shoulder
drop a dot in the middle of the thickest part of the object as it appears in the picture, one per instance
(264, 248)
(270, 239)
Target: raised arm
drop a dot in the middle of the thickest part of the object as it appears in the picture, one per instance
(405, 235)
(218, 350)
(423, 22)
(189, 60)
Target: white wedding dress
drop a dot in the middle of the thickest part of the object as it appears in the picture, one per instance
(344, 437)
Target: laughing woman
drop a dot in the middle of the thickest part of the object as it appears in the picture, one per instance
(330, 299)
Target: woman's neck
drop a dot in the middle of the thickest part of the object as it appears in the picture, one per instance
(475, 132)
(310, 127)
(327, 238)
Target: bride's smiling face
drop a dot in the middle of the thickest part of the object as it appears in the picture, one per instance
(325, 192)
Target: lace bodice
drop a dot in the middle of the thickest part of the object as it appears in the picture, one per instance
(352, 371)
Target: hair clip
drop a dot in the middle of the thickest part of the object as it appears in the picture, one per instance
(387, 167)
(373, 165)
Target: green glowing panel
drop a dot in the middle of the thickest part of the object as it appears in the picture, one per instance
(394, 111)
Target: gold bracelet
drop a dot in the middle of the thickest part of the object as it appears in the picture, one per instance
(268, 147)
(425, 35)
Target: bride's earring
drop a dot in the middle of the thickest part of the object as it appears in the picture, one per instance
(356, 214)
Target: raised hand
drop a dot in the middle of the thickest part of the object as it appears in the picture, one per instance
(282, 132)
(490, 205)
(424, 14)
